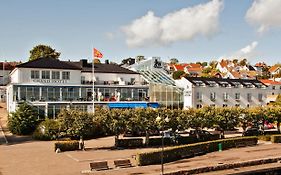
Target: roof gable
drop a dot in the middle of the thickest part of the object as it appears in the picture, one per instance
(48, 63)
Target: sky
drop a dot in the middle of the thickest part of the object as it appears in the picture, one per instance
(189, 30)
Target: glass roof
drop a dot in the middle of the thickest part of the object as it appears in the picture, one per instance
(157, 76)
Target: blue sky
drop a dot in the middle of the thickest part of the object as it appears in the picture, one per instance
(74, 27)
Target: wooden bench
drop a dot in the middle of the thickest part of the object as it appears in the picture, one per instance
(124, 163)
(99, 166)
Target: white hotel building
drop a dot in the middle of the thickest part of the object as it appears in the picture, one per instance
(50, 85)
(200, 92)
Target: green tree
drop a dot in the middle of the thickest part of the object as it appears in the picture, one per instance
(178, 74)
(24, 120)
(43, 51)
(75, 123)
(174, 61)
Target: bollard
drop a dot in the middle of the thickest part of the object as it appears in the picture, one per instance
(220, 147)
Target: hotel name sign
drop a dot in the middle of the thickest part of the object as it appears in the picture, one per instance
(49, 81)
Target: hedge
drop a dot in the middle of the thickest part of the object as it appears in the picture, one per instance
(276, 138)
(265, 137)
(158, 141)
(67, 145)
(129, 143)
(180, 152)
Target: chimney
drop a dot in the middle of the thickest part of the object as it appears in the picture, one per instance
(84, 62)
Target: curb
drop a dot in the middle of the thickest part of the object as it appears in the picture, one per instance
(2, 132)
(226, 166)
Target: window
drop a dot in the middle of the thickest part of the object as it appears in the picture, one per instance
(225, 96)
(35, 74)
(56, 75)
(224, 105)
(213, 96)
(198, 96)
(273, 87)
(237, 96)
(249, 97)
(260, 97)
(65, 75)
(199, 105)
(45, 74)
(237, 105)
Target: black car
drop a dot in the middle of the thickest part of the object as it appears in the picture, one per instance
(251, 132)
(203, 135)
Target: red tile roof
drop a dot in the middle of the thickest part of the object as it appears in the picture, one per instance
(270, 82)
(273, 69)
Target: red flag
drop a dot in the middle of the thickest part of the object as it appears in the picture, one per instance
(97, 54)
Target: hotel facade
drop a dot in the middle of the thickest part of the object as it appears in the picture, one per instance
(199, 92)
(50, 85)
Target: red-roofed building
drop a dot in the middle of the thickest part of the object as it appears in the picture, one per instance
(274, 70)
(274, 87)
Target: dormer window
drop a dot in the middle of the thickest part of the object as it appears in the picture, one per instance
(65, 75)
(45, 74)
(55, 75)
(35, 74)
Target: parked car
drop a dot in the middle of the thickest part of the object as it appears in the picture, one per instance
(203, 135)
(251, 132)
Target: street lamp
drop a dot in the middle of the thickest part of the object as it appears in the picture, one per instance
(158, 119)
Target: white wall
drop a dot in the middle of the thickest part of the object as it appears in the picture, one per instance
(23, 75)
(190, 95)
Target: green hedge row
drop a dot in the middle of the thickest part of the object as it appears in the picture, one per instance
(276, 138)
(154, 142)
(265, 137)
(180, 152)
(67, 145)
(129, 143)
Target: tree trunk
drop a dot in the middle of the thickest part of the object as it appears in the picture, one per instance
(278, 126)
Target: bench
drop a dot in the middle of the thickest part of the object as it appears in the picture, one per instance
(124, 163)
(99, 166)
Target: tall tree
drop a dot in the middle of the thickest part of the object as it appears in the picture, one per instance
(43, 51)
(174, 61)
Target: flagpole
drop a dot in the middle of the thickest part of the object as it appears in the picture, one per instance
(93, 93)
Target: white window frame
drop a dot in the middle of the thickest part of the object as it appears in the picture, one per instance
(34, 75)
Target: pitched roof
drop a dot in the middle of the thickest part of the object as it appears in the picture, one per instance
(178, 67)
(236, 74)
(83, 65)
(231, 82)
(8, 65)
(48, 63)
(273, 69)
(100, 67)
(194, 69)
(270, 82)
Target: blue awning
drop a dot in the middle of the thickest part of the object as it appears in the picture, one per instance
(133, 105)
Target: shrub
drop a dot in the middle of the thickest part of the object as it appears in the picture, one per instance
(265, 137)
(179, 152)
(186, 140)
(129, 143)
(67, 145)
(24, 120)
(47, 130)
(276, 138)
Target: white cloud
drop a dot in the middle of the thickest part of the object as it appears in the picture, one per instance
(184, 24)
(249, 52)
(265, 14)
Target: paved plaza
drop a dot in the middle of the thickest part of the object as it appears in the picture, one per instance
(28, 157)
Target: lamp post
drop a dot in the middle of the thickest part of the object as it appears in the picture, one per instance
(158, 120)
